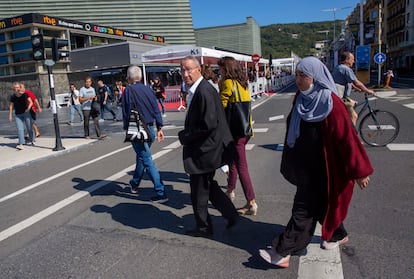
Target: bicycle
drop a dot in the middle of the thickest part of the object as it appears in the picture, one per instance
(377, 127)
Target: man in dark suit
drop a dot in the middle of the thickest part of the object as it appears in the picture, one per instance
(204, 139)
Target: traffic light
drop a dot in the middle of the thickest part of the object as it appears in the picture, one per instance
(58, 53)
(38, 47)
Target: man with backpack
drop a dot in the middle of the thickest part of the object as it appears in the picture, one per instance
(105, 98)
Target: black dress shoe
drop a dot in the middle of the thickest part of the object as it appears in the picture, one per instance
(199, 233)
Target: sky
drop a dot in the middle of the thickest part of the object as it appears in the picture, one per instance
(266, 12)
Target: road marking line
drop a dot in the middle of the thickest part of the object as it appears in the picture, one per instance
(382, 127)
(173, 145)
(249, 146)
(69, 200)
(385, 94)
(401, 146)
(37, 184)
(261, 103)
(260, 130)
(319, 263)
(411, 106)
(278, 117)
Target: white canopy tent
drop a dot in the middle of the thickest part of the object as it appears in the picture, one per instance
(174, 53)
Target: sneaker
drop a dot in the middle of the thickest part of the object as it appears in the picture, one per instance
(159, 199)
(102, 137)
(19, 147)
(329, 245)
(272, 257)
(87, 137)
(164, 115)
(133, 189)
(70, 123)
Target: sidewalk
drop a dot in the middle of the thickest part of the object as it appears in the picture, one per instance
(12, 157)
(71, 137)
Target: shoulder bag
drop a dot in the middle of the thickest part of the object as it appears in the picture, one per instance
(239, 115)
(137, 130)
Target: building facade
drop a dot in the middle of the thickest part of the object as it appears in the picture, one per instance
(399, 33)
(94, 50)
(242, 38)
(171, 19)
(389, 23)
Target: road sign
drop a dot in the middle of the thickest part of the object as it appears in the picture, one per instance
(380, 58)
(363, 56)
(255, 58)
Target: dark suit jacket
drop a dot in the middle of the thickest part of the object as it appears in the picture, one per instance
(206, 133)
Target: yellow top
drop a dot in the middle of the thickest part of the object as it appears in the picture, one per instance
(226, 92)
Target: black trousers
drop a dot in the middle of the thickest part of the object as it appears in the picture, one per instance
(86, 115)
(309, 207)
(205, 188)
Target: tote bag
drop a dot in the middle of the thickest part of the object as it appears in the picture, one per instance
(239, 115)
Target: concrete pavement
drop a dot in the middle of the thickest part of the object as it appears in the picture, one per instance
(71, 137)
(44, 145)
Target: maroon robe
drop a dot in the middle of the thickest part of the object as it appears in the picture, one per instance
(346, 160)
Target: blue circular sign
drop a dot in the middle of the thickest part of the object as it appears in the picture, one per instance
(380, 58)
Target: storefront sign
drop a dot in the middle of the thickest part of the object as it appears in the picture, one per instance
(76, 25)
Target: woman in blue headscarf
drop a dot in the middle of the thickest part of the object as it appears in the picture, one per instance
(324, 158)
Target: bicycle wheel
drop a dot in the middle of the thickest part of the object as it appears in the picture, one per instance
(379, 128)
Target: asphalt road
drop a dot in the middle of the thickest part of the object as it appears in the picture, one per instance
(85, 224)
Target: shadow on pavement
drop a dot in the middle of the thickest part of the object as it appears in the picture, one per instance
(247, 234)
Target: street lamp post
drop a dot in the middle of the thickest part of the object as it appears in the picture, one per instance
(379, 39)
(334, 10)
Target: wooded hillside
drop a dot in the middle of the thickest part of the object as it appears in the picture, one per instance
(280, 39)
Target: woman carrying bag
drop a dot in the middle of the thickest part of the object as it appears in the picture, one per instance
(235, 97)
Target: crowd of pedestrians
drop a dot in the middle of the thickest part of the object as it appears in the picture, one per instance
(319, 131)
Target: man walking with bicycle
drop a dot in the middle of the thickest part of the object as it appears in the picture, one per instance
(346, 80)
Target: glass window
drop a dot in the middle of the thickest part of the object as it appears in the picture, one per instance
(21, 57)
(29, 68)
(3, 48)
(22, 46)
(4, 60)
(2, 37)
(21, 33)
(4, 71)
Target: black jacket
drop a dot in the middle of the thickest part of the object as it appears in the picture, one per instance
(206, 134)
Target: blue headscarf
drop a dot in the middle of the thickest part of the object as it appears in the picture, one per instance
(315, 105)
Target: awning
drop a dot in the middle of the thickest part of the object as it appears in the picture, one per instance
(173, 55)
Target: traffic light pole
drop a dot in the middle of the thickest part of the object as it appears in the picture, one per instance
(53, 106)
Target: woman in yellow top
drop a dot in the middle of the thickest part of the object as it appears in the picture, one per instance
(232, 73)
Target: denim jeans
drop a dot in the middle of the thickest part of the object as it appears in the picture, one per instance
(144, 162)
(161, 101)
(72, 112)
(22, 120)
(107, 107)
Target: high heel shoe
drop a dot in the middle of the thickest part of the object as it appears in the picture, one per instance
(248, 209)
